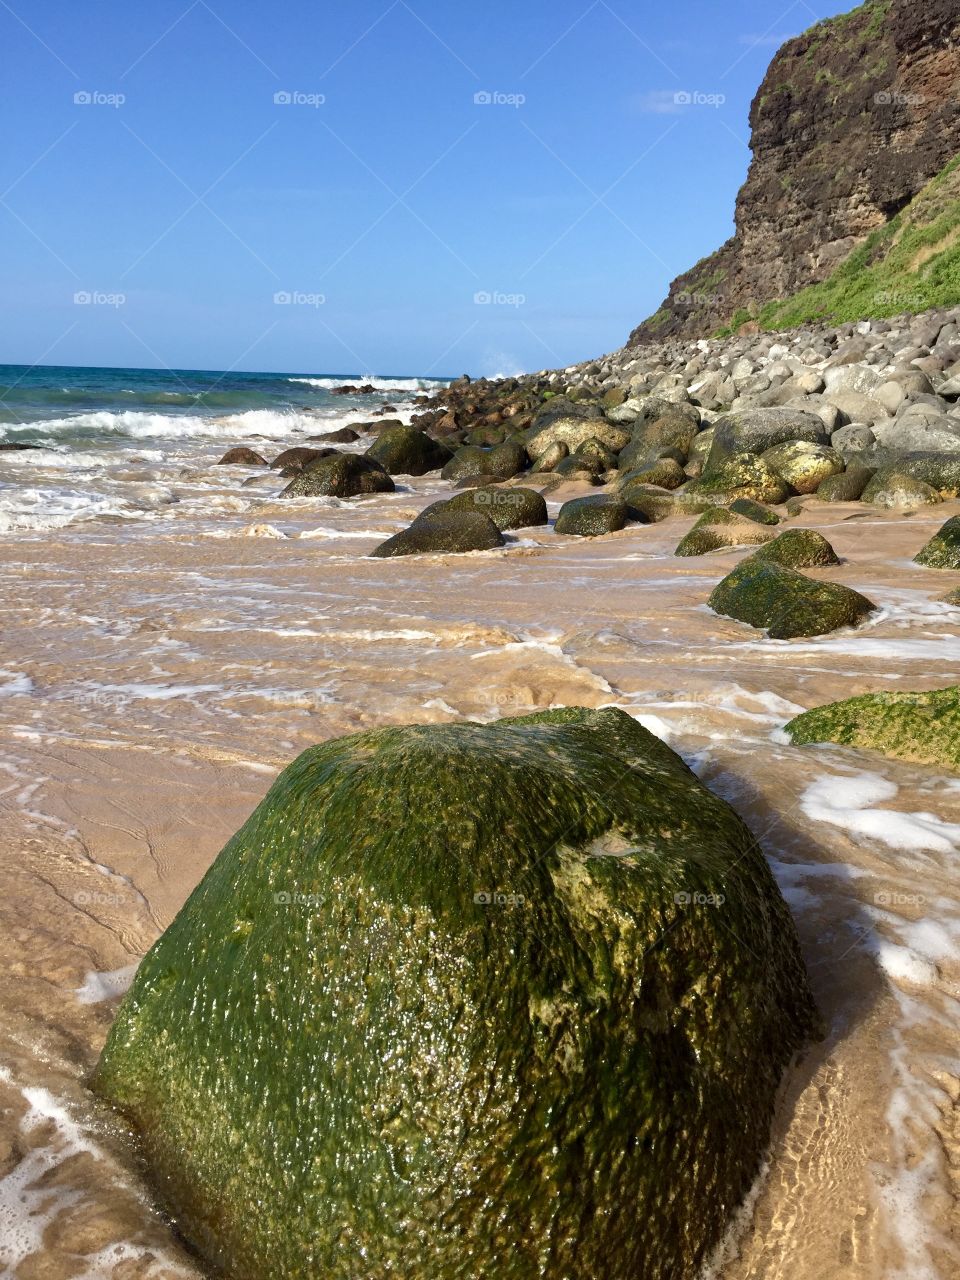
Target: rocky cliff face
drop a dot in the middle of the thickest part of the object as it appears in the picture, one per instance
(853, 119)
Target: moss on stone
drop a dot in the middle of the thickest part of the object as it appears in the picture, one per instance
(509, 1000)
(592, 516)
(508, 508)
(943, 549)
(799, 549)
(741, 475)
(754, 511)
(785, 603)
(442, 532)
(920, 727)
(343, 475)
(721, 528)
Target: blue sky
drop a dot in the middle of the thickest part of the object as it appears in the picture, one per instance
(310, 187)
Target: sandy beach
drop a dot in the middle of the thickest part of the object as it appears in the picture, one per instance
(156, 680)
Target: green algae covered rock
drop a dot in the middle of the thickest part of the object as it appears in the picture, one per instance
(921, 727)
(510, 508)
(406, 451)
(590, 517)
(458, 1001)
(345, 475)
(741, 475)
(896, 489)
(754, 511)
(442, 532)
(799, 549)
(786, 604)
(721, 528)
(943, 549)
(848, 486)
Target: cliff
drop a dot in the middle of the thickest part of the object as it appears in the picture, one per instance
(854, 119)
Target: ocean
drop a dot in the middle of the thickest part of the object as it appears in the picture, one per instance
(90, 426)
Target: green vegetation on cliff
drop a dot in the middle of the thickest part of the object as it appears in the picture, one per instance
(910, 264)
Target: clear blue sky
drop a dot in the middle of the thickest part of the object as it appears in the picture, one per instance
(198, 198)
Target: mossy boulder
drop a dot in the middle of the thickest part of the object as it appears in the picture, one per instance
(468, 460)
(803, 465)
(406, 451)
(573, 432)
(443, 532)
(551, 457)
(646, 502)
(895, 489)
(921, 727)
(300, 456)
(799, 549)
(756, 430)
(721, 528)
(660, 426)
(510, 508)
(847, 486)
(754, 511)
(510, 1000)
(665, 473)
(741, 475)
(344, 475)
(943, 549)
(242, 457)
(592, 516)
(786, 604)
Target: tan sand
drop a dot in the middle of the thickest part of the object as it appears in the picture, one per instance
(157, 677)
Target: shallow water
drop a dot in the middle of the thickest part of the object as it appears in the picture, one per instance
(156, 673)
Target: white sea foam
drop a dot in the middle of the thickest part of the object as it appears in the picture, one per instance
(13, 682)
(25, 509)
(368, 380)
(105, 984)
(847, 801)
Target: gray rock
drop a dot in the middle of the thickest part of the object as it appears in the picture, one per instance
(755, 430)
(853, 438)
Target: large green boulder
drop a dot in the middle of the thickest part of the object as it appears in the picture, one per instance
(741, 475)
(442, 532)
(754, 511)
(592, 516)
(406, 451)
(756, 430)
(508, 508)
(920, 727)
(943, 549)
(458, 1001)
(345, 475)
(894, 489)
(721, 528)
(803, 465)
(786, 604)
(799, 549)
(848, 486)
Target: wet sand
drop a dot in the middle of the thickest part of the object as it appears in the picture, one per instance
(154, 679)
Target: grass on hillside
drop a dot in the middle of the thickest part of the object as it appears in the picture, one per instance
(910, 264)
